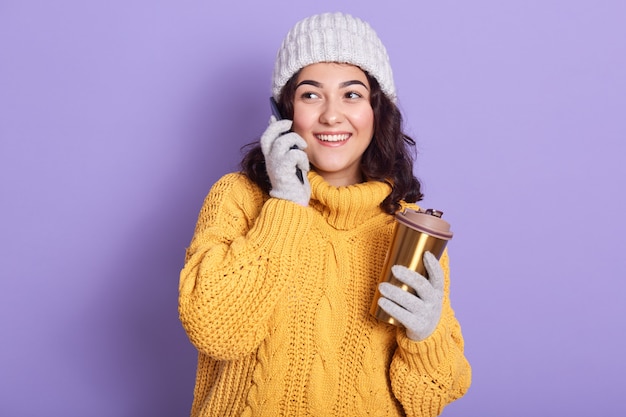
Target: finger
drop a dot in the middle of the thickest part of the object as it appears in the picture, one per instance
(273, 132)
(302, 160)
(288, 142)
(401, 315)
(295, 158)
(417, 282)
(434, 270)
(401, 297)
(299, 141)
(291, 140)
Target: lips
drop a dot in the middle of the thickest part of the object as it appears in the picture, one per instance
(340, 137)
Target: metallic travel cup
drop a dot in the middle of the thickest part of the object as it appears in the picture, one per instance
(415, 232)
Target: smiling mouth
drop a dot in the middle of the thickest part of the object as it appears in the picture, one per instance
(333, 138)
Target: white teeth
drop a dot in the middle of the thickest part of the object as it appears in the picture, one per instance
(333, 138)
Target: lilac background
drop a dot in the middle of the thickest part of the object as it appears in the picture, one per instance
(117, 116)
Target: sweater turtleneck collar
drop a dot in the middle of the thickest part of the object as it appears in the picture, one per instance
(348, 206)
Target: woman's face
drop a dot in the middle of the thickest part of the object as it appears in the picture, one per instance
(332, 112)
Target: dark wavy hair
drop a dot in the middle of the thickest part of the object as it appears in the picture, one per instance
(388, 158)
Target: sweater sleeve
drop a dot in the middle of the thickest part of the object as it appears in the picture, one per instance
(428, 375)
(236, 266)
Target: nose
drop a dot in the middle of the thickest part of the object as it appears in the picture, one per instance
(331, 113)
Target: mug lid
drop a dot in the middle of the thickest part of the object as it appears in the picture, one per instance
(427, 221)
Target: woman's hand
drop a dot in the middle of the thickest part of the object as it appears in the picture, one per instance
(420, 313)
(284, 155)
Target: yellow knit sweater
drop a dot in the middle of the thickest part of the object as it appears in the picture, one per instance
(276, 298)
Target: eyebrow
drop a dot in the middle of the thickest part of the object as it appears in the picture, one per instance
(341, 85)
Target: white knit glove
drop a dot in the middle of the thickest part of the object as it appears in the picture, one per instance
(284, 155)
(418, 314)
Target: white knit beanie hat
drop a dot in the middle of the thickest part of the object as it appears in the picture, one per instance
(333, 37)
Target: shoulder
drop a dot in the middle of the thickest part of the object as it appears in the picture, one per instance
(233, 181)
(412, 206)
(234, 192)
(235, 185)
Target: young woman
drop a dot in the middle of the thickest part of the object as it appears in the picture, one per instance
(286, 256)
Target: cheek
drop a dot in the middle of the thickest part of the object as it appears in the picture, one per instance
(301, 122)
(364, 120)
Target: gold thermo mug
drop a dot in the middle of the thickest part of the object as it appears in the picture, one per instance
(415, 232)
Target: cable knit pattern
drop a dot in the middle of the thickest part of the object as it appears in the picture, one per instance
(276, 298)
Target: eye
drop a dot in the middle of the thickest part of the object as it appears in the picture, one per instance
(353, 95)
(309, 95)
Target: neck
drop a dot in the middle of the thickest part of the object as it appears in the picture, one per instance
(341, 179)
